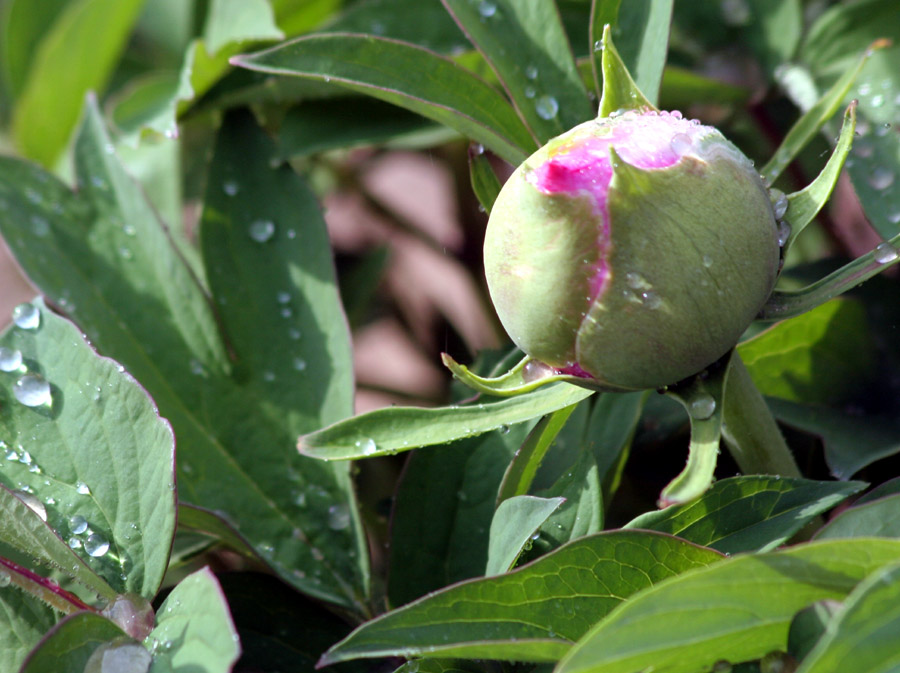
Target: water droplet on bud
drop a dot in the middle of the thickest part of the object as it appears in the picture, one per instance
(535, 370)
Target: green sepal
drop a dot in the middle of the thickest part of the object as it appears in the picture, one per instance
(805, 204)
(619, 90)
(703, 392)
(513, 382)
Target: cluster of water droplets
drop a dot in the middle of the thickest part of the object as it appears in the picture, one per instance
(29, 388)
(640, 291)
(82, 536)
(780, 206)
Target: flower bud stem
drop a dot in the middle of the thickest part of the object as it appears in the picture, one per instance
(750, 430)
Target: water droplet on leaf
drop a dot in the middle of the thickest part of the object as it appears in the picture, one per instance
(487, 9)
(26, 316)
(261, 230)
(33, 503)
(884, 253)
(32, 391)
(10, 359)
(338, 517)
(702, 406)
(546, 107)
(96, 545)
(82, 488)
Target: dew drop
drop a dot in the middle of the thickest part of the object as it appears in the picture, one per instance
(338, 517)
(881, 178)
(707, 261)
(367, 446)
(546, 107)
(261, 230)
(504, 429)
(78, 524)
(82, 488)
(230, 187)
(530, 92)
(636, 281)
(26, 316)
(681, 143)
(651, 299)
(487, 9)
(128, 229)
(32, 391)
(33, 503)
(783, 233)
(286, 312)
(294, 334)
(40, 226)
(96, 545)
(283, 297)
(702, 406)
(885, 253)
(10, 359)
(779, 203)
(877, 100)
(535, 370)
(268, 376)
(299, 364)
(5, 579)
(531, 72)
(125, 252)
(598, 45)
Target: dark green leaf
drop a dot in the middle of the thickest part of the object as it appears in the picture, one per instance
(534, 613)
(739, 609)
(485, 182)
(194, 630)
(878, 518)
(525, 44)
(52, 98)
(23, 622)
(751, 513)
(813, 357)
(774, 30)
(96, 457)
(582, 512)
(859, 638)
(102, 255)
(443, 511)
(808, 626)
(408, 76)
(612, 424)
(514, 523)
(388, 431)
(70, 644)
(642, 38)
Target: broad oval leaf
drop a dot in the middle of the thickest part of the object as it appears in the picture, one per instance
(534, 613)
(738, 610)
(408, 76)
(878, 518)
(515, 521)
(750, 513)
(94, 454)
(70, 644)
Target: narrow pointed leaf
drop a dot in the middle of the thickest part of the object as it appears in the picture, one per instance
(805, 204)
(603, 12)
(642, 40)
(526, 375)
(739, 609)
(102, 255)
(515, 521)
(751, 513)
(194, 630)
(522, 470)
(485, 182)
(619, 90)
(526, 46)
(704, 401)
(70, 644)
(814, 119)
(379, 432)
(408, 76)
(96, 455)
(858, 637)
(534, 613)
(45, 589)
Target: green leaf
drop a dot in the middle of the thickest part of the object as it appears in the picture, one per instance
(808, 626)
(69, 645)
(858, 637)
(442, 513)
(485, 183)
(582, 512)
(320, 126)
(603, 12)
(391, 430)
(879, 518)
(526, 46)
(23, 24)
(96, 450)
(23, 622)
(408, 76)
(804, 205)
(642, 38)
(738, 609)
(198, 519)
(104, 257)
(194, 630)
(515, 521)
(228, 21)
(774, 30)
(619, 90)
(812, 357)
(703, 400)
(533, 613)
(751, 513)
(526, 375)
(522, 470)
(52, 99)
(813, 120)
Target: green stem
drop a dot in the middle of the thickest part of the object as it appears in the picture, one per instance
(750, 430)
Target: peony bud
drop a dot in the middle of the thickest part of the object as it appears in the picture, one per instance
(632, 251)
